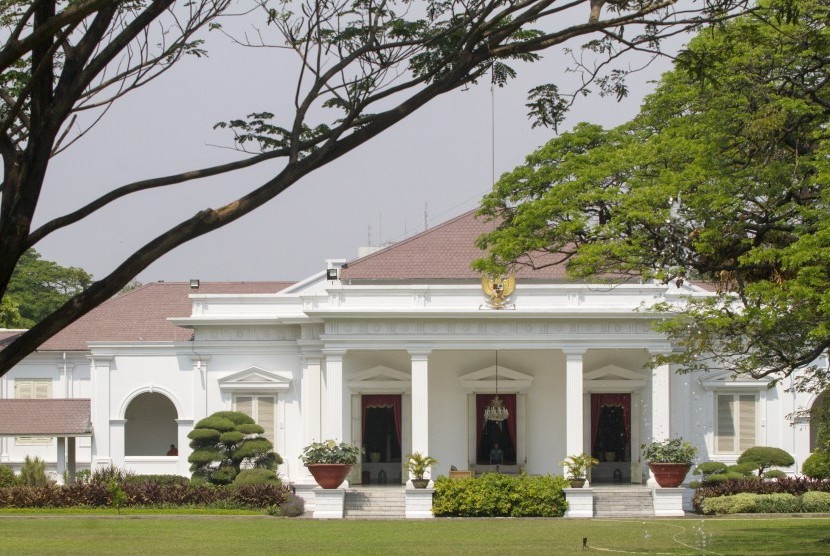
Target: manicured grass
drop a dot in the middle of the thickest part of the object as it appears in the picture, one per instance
(134, 534)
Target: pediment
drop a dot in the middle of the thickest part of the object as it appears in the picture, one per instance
(725, 380)
(484, 380)
(613, 378)
(254, 379)
(380, 378)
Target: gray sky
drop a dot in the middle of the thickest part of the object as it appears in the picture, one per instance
(440, 156)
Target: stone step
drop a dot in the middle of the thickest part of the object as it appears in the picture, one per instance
(375, 503)
(623, 502)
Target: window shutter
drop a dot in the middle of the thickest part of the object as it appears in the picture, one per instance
(245, 404)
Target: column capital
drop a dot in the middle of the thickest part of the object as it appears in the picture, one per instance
(419, 354)
(572, 353)
(333, 353)
(195, 357)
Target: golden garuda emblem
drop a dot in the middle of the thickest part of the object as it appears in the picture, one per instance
(498, 290)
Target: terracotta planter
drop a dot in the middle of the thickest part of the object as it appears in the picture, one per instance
(329, 475)
(669, 475)
(577, 483)
(420, 483)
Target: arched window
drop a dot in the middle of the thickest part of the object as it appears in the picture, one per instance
(151, 425)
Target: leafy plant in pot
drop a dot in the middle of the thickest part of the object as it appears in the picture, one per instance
(418, 465)
(669, 460)
(578, 467)
(330, 462)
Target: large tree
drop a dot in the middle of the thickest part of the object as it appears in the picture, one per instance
(38, 287)
(363, 66)
(722, 178)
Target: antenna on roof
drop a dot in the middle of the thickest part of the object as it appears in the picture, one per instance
(426, 217)
(369, 243)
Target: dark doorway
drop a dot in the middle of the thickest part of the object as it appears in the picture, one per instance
(611, 437)
(381, 439)
(491, 433)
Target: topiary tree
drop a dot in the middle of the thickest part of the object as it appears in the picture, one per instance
(766, 457)
(257, 476)
(223, 441)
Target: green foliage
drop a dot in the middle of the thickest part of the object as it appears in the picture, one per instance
(815, 501)
(224, 440)
(817, 465)
(716, 478)
(418, 464)
(721, 178)
(256, 476)
(37, 288)
(756, 503)
(774, 474)
(765, 457)
(497, 495)
(744, 469)
(293, 506)
(33, 472)
(820, 419)
(675, 450)
(709, 468)
(117, 495)
(330, 451)
(7, 477)
(109, 474)
(579, 465)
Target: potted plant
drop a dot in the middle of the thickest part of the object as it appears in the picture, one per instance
(578, 467)
(330, 462)
(669, 460)
(418, 465)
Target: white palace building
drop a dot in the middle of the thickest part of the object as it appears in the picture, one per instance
(398, 351)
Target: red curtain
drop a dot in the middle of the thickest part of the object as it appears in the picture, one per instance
(598, 401)
(483, 400)
(381, 400)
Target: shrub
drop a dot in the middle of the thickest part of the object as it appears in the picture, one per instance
(106, 475)
(158, 479)
(781, 503)
(495, 495)
(7, 477)
(718, 478)
(732, 504)
(710, 468)
(774, 474)
(256, 476)
(33, 472)
(293, 506)
(791, 485)
(766, 457)
(817, 466)
(746, 469)
(815, 501)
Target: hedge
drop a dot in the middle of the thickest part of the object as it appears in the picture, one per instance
(143, 494)
(796, 486)
(813, 501)
(496, 495)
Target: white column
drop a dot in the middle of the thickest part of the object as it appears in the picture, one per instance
(420, 401)
(61, 461)
(660, 406)
(334, 425)
(310, 398)
(574, 425)
(660, 409)
(101, 450)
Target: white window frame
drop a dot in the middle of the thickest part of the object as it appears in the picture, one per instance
(46, 393)
(739, 441)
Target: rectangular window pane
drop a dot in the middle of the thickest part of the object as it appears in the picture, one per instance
(265, 416)
(747, 421)
(245, 404)
(725, 438)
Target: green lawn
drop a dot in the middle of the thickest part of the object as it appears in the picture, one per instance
(203, 535)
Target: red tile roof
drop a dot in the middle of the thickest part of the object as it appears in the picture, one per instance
(443, 252)
(141, 314)
(45, 417)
